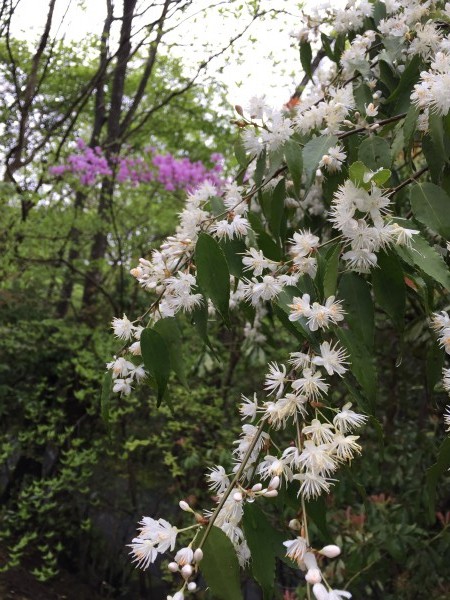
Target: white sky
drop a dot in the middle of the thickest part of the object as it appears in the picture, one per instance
(267, 66)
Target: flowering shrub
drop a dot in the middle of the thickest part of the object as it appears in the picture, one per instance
(340, 205)
(90, 165)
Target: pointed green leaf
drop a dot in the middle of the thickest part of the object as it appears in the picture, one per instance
(313, 153)
(422, 255)
(200, 320)
(220, 566)
(213, 275)
(389, 287)
(331, 271)
(358, 304)
(306, 58)
(277, 207)
(260, 168)
(233, 250)
(156, 357)
(170, 332)
(375, 152)
(265, 543)
(317, 510)
(294, 160)
(105, 397)
(362, 364)
(431, 206)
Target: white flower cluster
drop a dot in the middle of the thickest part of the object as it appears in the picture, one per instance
(440, 322)
(298, 550)
(432, 90)
(328, 115)
(361, 217)
(270, 132)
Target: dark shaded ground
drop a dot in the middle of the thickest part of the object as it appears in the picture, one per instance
(17, 584)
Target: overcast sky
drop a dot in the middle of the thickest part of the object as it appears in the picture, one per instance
(268, 65)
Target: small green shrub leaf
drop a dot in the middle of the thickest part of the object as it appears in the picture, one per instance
(213, 275)
(156, 357)
(220, 566)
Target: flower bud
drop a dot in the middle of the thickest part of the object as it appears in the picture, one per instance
(173, 567)
(184, 506)
(274, 483)
(330, 551)
(294, 524)
(313, 576)
(198, 555)
(186, 571)
(270, 493)
(257, 487)
(320, 591)
(192, 586)
(237, 496)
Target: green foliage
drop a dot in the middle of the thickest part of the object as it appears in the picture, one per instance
(220, 566)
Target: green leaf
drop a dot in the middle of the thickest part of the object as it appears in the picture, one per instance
(409, 77)
(425, 257)
(317, 510)
(434, 472)
(431, 206)
(331, 271)
(409, 126)
(358, 304)
(389, 287)
(363, 176)
(375, 152)
(220, 566)
(313, 152)
(156, 357)
(105, 397)
(170, 332)
(306, 58)
(260, 168)
(277, 207)
(200, 320)
(233, 250)
(268, 246)
(294, 160)
(362, 365)
(265, 543)
(213, 275)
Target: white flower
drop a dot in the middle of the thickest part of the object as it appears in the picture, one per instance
(275, 379)
(312, 484)
(347, 419)
(311, 384)
(123, 328)
(345, 446)
(300, 307)
(252, 141)
(123, 386)
(303, 243)
(333, 160)
(296, 549)
(248, 407)
(254, 260)
(218, 480)
(447, 418)
(299, 360)
(120, 367)
(267, 289)
(321, 316)
(319, 432)
(403, 235)
(371, 110)
(144, 552)
(446, 379)
(331, 358)
(317, 459)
